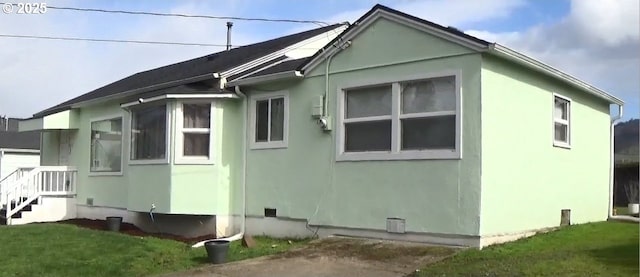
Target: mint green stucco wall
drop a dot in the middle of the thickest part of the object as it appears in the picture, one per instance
(177, 189)
(50, 147)
(304, 181)
(207, 189)
(526, 181)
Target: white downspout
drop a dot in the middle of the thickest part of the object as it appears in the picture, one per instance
(238, 236)
(612, 159)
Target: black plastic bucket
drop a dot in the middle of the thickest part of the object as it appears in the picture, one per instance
(113, 223)
(217, 251)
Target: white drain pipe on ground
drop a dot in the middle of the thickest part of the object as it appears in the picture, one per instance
(239, 235)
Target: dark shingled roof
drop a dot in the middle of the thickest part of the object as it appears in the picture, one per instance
(212, 63)
(20, 140)
(11, 138)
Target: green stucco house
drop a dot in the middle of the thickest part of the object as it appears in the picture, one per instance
(391, 127)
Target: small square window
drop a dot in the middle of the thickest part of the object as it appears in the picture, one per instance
(269, 120)
(193, 132)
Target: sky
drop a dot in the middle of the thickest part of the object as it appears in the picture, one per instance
(597, 41)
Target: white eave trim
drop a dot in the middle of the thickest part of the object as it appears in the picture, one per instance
(265, 78)
(179, 96)
(16, 150)
(361, 26)
(534, 64)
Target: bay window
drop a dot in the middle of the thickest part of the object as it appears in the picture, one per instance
(416, 118)
(149, 134)
(193, 132)
(106, 146)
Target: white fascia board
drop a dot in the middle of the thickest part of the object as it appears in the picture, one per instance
(179, 96)
(16, 150)
(330, 34)
(361, 26)
(546, 69)
(265, 78)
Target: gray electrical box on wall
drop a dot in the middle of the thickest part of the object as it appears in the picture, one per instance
(317, 106)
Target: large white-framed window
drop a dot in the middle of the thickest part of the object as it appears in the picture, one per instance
(149, 134)
(418, 117)
(269, 120)
(561, 121)
(106, 152)
(194, 138)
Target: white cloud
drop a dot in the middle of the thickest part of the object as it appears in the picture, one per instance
(444, 12)
(37, 74)
(597, 41)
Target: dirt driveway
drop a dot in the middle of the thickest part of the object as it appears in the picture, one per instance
(333, 257)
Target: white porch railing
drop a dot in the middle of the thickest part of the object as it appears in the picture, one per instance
(40, 181)
(13, 177)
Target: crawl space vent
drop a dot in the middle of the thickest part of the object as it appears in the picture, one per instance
(395, 225)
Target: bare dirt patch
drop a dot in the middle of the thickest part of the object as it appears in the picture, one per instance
(402, 256)
(132, 230)
(333, 257)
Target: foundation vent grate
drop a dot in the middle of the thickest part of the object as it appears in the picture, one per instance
(395, 225)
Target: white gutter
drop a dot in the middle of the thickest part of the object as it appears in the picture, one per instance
(179, 96)
(534, 64)
(612, 158)
(239, 235)
(16, 150)
(265, 78)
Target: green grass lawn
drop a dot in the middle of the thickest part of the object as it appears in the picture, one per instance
(597, 249)
(68, 250)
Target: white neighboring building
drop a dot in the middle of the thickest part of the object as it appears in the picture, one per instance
(17, 149)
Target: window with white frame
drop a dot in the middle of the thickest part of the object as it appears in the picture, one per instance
(269, 118)
(561, 121)
(106, 146)
(409, 119)
(149, 134)
(193, 132)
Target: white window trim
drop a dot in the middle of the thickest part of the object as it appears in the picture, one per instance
(179, 157)
(396, 153)
(122, 146)
(167, 150)
(567, 122)
(253, 99)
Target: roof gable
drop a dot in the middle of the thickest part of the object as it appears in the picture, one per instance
(454, 35)
(383, 12)
(385, 42)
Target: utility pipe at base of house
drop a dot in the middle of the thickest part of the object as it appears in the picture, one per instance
(238, 236)
(612, 159)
